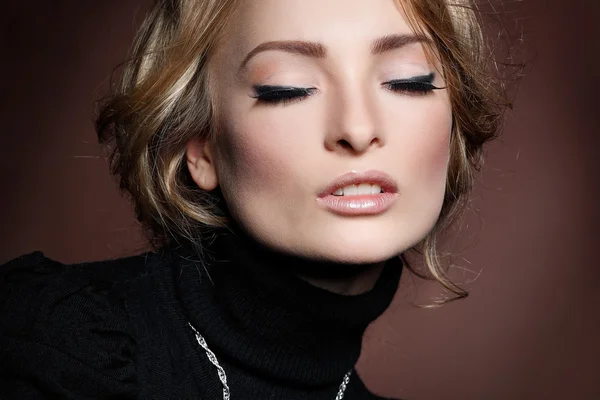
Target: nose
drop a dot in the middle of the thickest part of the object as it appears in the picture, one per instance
(352, 125)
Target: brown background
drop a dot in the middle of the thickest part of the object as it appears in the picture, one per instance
(529, 330)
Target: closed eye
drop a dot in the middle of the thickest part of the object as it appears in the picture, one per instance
(280, 94)
(418, 85)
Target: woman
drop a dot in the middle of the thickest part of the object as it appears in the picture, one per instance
(284, 155)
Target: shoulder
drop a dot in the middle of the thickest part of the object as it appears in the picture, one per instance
(66, 329)
(39, 293)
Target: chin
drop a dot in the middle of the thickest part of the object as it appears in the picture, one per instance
(365, 254)
(360, 248)
(365, 243)
(357, 241)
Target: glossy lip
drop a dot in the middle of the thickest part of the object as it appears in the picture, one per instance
(367, 204)
(354, 178)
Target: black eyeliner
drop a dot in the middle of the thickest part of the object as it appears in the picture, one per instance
(418, 82)
(280, 91)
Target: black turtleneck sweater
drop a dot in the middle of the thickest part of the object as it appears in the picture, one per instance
(119, 329)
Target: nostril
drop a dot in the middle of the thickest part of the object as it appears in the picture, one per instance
(344, 144)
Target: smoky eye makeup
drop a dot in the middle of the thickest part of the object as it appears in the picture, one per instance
(421, 84)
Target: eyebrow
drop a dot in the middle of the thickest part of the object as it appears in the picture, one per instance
(396, 41)
(319, 51)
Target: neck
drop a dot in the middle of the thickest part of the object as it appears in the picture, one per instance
(281, 317)
(362, 282)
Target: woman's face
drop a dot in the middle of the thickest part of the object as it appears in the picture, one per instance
(314, 96)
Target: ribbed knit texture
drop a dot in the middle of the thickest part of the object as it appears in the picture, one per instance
(118, 329)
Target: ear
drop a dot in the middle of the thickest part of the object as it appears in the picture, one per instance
(201, 165)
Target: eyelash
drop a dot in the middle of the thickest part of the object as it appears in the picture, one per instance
(281, 94)
(419, 85)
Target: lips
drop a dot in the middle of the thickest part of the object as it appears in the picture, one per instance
(376, 179)
(359, 194)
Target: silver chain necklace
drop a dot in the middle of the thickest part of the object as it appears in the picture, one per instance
(213, 359)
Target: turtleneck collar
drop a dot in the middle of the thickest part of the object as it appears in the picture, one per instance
(256, 314)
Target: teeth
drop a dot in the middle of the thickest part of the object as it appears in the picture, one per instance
(364, 188)
(351, 190)
(355, 190)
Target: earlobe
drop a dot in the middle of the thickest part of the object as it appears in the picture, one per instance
(200, 162)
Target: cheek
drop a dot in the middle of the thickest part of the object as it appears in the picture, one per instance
(427, 150)
(433, 163)
(436, 150)
(255, 158)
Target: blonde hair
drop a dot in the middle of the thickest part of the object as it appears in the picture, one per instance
(164, 101)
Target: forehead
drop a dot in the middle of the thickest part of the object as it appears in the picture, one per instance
(335, 23)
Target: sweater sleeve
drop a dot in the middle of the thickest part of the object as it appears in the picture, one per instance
(64, 333)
